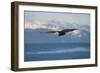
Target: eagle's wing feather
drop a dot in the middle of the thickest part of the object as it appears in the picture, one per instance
(50, 32)
(68, 30)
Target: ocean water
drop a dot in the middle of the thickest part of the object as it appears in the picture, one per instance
(56, 51)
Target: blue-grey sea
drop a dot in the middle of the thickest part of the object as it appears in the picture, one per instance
(56, 51)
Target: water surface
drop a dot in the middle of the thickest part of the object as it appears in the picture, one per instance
(56, 51)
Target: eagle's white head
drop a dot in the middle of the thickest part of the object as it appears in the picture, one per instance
(56, 33)
(76, 31)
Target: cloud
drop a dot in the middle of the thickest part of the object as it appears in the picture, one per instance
(35, 25)
(43, 25)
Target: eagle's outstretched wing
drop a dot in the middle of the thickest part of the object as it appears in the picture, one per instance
(68, 30)
(53, 32)
(50, 32)
(60, 33)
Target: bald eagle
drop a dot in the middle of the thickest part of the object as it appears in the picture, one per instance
(62, 32)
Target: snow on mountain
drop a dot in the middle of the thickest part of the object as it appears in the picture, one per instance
(55, 25)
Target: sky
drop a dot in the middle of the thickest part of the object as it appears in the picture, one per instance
(78, 18)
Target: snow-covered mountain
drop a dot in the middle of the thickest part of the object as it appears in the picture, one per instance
(55, 25)
(32, 32)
